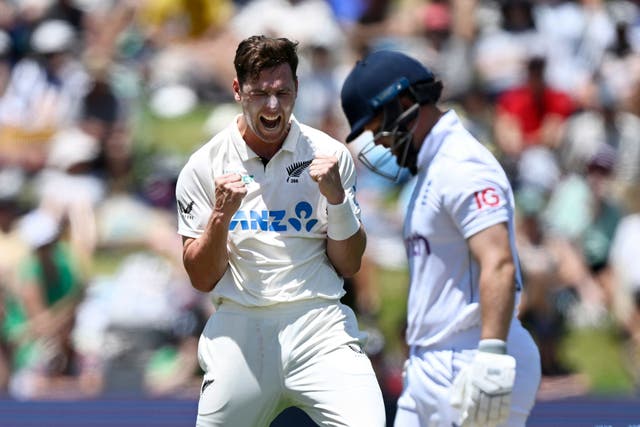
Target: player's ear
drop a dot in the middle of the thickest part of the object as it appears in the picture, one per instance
(406, 101)
(236, 90)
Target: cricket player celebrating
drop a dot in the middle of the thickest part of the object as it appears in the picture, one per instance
(269, 223)
(471, 362)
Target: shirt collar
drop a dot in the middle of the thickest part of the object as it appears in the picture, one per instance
(434, 139)
(291, 140)
(247, 153)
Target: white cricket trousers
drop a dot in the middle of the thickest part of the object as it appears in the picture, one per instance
(430, 371)
(259, 361)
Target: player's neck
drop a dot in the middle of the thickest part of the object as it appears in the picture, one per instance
(264, 150)
(429, 116)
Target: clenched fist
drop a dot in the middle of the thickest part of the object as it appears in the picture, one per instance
(324, 170)
(230, 190)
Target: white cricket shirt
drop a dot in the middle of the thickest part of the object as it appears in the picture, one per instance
(277, 238)
(461, 189)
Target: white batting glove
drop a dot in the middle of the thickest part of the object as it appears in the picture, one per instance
(482, 390)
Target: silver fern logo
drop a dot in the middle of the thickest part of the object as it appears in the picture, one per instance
(295, 170)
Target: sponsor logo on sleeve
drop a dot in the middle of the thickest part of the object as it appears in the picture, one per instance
(185, 209)
(486, 198)
(417, 245)
(205, 384)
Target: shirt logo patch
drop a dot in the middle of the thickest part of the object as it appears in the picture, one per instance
(295, 170)
(275, 220)
(417, 245)
(205, 384)
(244, 176)
(247, 179)
(487, 197)
(185, 209)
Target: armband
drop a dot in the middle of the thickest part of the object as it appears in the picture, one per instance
(493, 345)
(342, 220)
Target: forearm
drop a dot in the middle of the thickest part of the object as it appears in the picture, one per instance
(497, 298)
(206, 258)
(346, 239)
(53, 321)
(346, 255)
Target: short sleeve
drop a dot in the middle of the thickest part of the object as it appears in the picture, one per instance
(195, 198)
(477, 201)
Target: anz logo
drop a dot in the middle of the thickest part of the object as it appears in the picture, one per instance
(275, 220)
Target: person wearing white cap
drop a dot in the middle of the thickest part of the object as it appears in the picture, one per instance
(39, 228)
(53, 36)
(40, 311)
(68, 187)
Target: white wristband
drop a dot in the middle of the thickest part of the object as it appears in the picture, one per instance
(342, 220)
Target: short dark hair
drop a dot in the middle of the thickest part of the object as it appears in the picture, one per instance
(256, 53)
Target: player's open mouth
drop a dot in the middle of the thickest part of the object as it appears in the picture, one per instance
(270, 123)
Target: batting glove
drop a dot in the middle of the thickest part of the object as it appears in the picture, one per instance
(482, 389)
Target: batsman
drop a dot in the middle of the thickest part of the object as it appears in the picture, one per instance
(471, 362)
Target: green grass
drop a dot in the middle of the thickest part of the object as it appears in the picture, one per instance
(181, 135)
(107, 261)
(393, 288)
(598, 353)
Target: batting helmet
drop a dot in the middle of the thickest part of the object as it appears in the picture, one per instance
(380, 78)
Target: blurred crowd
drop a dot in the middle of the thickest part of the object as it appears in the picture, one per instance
(93, 296)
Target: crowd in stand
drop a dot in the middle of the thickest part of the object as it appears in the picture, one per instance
(93, 295)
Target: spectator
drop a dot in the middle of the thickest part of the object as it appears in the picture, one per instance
(628, 165)
(577, 34)
(603, 122)
(582, 214)
(531, 114)
(40, 315)
(68, 189)
(620, 67)
(176, 20)
(66, 10)
(447, 50)
(13, 250)
(290, 18)
(504, 44)
(44, 95)
(319, 88)
(137, 329)
(545, 300)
